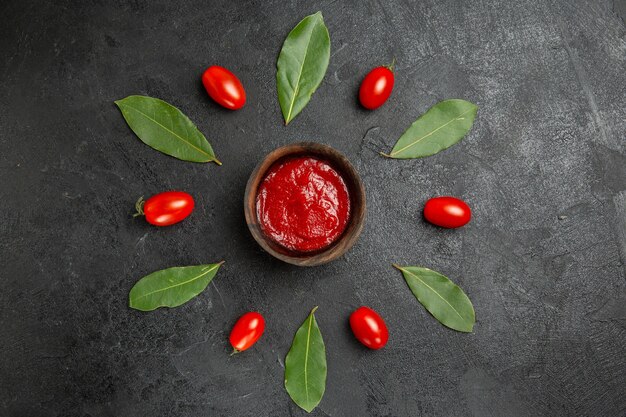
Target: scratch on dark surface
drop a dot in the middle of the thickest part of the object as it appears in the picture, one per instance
(191, 346)
(67, 195)
(583, 79)
(620, 213)
(614, 310)
(343, 45)
(324, 412)
(219, 294)
(371, 140)
(141, 241)
(619, 8)
(385, 14)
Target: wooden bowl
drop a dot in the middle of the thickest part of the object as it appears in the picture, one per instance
(357, 204)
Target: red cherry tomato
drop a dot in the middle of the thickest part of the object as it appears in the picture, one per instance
(376, 87)
(448, 212)
(369, 328)
(166, 208)
(247, 331)
(224, 87)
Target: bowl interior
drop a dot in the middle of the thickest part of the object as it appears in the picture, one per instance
(355, 190)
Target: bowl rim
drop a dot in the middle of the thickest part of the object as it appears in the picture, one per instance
(356, 191)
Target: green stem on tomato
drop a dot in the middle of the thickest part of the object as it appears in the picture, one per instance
(139, 207)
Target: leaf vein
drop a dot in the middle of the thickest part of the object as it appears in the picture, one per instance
(171, 131)
(306, 359)
(429, 134)
(297, 89)
(433, 290)
(177, 285)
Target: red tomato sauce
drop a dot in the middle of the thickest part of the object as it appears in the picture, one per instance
(303, 204)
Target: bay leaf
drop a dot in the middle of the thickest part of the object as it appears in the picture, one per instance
(166, 129)
(302, 64)
(441, 297)
(171, 287)
(305, 365)
(440, 127)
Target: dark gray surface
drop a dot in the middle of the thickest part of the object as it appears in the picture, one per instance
(544, 170)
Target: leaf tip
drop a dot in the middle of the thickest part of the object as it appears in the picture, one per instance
(398, 267)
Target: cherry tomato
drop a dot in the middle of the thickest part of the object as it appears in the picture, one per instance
(247, 331)
(166, 208)
(448, 212)
(369, 328)
(224, 87)
(376, 87)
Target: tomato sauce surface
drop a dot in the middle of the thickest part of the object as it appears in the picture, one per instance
(303, 204)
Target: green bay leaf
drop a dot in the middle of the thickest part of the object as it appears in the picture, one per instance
(166, 129)
(171, 287)
(302, 64)
(305, 365)
(441, 297)
(440, 127)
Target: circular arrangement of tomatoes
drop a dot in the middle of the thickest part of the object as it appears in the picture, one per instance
(165, 209)
(171, 207)
(369, 328)
(247, 331)
(376, 87)
(448, 212)
(224, 87)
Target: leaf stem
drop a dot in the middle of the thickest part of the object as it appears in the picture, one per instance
(385, 155)
(398, 267)
(313, 311)
(139, 207)
(217, 161)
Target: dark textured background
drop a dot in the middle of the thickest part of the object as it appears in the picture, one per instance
(544, 169)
